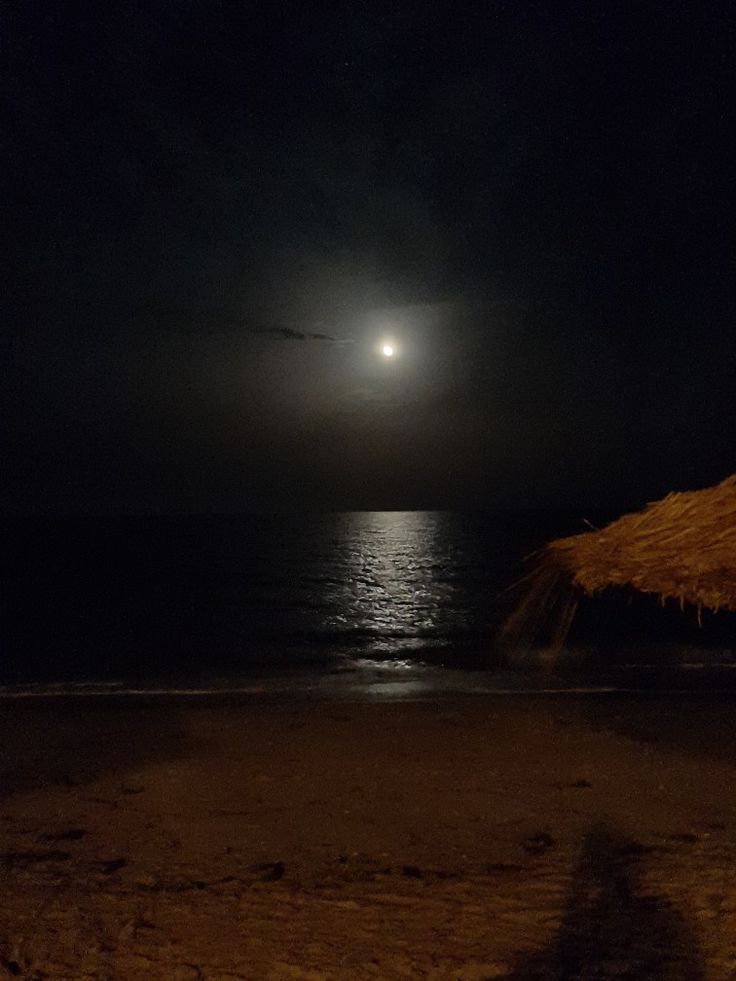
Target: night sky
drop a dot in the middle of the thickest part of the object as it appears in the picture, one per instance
(532, 200)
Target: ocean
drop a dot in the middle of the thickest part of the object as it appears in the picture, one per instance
(385, 603)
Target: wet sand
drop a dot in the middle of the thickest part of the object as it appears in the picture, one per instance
(476, 837)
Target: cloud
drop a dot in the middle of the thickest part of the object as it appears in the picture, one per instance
(289, 334)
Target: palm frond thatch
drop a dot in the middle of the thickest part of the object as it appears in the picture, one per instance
(682, 548)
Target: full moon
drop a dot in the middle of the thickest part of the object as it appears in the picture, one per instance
(387, 350)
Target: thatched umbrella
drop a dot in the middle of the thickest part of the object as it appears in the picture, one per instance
(682, 548)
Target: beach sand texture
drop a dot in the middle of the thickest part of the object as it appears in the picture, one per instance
(478, 837)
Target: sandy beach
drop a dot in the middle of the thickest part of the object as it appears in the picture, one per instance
(468, 838)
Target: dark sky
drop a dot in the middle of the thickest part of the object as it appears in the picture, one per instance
(533, 200)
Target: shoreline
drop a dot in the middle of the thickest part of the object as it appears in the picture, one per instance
(394, 679)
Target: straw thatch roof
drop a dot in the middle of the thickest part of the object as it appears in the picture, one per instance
(682, 548)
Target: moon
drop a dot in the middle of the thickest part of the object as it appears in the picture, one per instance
(387, 350)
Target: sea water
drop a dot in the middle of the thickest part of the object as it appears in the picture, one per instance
(387, 603)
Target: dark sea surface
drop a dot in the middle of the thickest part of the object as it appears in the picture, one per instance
(388, 603)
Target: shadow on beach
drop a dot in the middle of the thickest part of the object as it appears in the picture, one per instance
(69, 742)
(611, 927)
(698, 725)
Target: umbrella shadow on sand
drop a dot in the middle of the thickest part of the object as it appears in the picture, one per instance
(612, 928)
